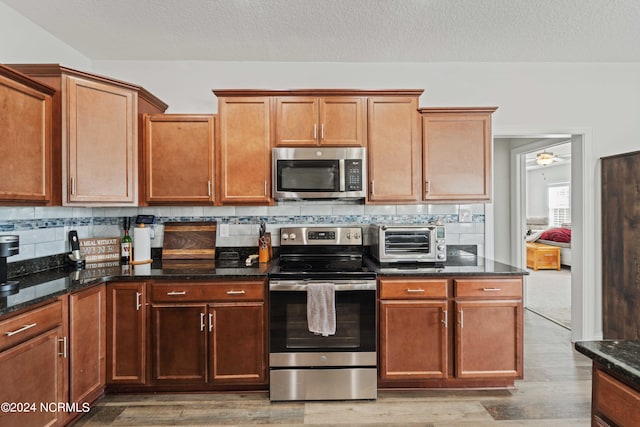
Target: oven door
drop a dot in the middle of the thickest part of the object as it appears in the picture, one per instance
(291, 343)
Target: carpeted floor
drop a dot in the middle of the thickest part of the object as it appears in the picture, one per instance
(548, 293)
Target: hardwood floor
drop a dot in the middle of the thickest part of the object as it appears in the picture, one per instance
(556, 391)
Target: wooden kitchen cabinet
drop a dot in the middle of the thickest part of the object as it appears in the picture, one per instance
(395, 151)
(614, 402)
(244, 155)
(95, 124)
(26, 143)
(209, 333)
(489, 328)
(33, 365)
(179, 152)
(127, 323)
(312, 121)
(87, 344)
(457, 145)
(413, 329)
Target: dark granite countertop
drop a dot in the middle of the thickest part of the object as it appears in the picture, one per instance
(40, 287)
(621, 357)
(455, 267)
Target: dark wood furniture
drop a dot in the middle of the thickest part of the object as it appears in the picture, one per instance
(450, 332)
(620, 246)
(457, 144)
(179, 165)
(26, 145)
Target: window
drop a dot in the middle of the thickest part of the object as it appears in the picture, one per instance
(559, 204)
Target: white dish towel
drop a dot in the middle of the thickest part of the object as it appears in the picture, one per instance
(321, 308)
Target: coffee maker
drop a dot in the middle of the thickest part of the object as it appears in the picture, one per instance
(9, 246)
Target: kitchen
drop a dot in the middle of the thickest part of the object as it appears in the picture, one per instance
(196, 97)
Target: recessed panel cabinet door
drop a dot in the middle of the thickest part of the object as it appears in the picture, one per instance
(237, 342)
(457, 154)
(25, 142)
(245, 150)
(87, 336)
(394, 149)
(100, 133)
(342, 121)
(179, 158)
(126, 333)
(413, 339)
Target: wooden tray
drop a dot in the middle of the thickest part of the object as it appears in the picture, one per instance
(189, 240)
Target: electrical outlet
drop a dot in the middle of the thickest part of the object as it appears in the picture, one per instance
(224, 230)
(465, 214)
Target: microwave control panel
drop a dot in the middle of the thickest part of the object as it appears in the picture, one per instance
(353, 174)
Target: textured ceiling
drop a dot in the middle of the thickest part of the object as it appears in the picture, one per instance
(344, 30)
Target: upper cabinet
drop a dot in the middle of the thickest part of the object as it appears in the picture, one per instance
(179, 152)
(457, 154)
(394, 149)
(244, 152)
(328, 120)
(96, 124)
(26, 141)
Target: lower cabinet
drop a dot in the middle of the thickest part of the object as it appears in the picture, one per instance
(87, 339)
(127, 320)
(450, 332)
(615, 403)
(33, 367)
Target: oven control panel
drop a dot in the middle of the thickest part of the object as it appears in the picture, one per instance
(321, 236)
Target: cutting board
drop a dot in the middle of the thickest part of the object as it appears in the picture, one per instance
(189, 240)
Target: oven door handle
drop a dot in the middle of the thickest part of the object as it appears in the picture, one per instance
(302, 286)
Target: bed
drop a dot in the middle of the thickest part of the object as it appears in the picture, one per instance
(539, 232)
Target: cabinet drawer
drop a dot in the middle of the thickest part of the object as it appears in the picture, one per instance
(223, 291)
(616, 401)
(409, 289)
(27, 325)
(488, 288)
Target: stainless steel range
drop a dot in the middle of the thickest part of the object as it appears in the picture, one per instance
(328, 364)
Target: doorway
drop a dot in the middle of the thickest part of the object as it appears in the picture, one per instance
(508, 212)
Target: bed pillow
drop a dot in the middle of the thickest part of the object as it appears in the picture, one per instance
(562, 235)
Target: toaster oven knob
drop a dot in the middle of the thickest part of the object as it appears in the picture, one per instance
(440, 256)
(441, 247)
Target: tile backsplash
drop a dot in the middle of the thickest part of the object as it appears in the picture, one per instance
(43, 231)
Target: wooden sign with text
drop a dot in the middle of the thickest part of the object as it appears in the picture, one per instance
(100, 249)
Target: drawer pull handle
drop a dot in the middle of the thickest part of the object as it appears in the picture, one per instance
(174, 293)
(63, 341)
(491, 289)
(415, 290)
(242, 292)
(24, 328)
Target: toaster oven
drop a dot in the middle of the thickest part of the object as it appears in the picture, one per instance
(408, 243)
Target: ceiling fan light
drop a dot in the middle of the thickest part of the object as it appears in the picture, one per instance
(545, 158)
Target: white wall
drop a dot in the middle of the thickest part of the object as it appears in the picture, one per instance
(538, 181)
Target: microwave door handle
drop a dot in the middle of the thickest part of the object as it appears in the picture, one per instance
(342, 174)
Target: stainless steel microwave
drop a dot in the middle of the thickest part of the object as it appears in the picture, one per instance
(408, 243)
(319, 173)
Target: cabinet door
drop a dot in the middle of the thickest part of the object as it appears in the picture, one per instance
(457, 154)
(342, 121)
(126, 333)
(489, 339)
(100, 160)
(33, 372)
(25, 143)
(87, 335)
(237, 343)
(394, 149)
(179, 349)
(245, 150)
(297, 121)
(179, 158)
(413, 339)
